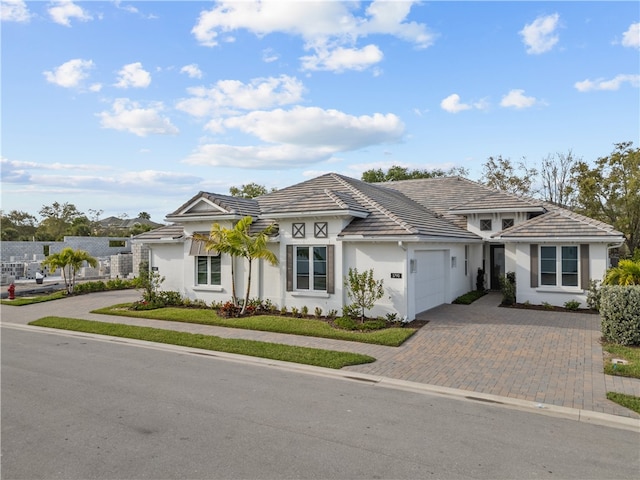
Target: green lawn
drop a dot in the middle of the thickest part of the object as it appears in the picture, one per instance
(628, 401)
(20, 301)
(274, 351)
(269, 323)
(630, 354)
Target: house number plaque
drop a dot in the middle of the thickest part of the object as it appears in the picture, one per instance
(396, 275)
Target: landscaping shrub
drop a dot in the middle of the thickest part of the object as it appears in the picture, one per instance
(352, 311)
(120, 284)
(620, 312)
(229, 310)
(169, 298)
(346, 323)
(594, 295)
(508, 288)
(88, 287)
(469, 297)
(572, 305)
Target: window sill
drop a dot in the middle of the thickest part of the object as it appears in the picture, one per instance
(550, 289)
(318, 294)
(208, 288)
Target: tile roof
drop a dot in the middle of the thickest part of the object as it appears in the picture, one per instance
(168, 232)
(426, 208)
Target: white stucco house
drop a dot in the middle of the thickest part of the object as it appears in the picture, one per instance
(425, 238)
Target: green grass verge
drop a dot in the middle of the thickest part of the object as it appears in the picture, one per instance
(392, 337)
(274, 351)
(20, 301)
(630, 354)
(628, 401)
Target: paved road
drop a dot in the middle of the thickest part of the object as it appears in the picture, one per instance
(548, 358)
(75, 407)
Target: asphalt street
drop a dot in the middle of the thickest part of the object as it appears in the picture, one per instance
(75, 407)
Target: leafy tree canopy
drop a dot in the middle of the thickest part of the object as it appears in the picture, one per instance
(502, 174)
(250, 190)
(396, 173)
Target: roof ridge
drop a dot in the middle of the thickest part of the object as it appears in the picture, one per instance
(386, 212)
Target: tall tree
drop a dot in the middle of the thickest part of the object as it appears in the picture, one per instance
(144, 215)
(609, 191)
(17, 225)
(249, 190)
(57, 220)
(69, 261)
(502, 174)
(556, 175)
(397, 173)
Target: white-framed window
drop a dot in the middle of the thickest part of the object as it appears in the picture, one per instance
(208, 270)
(310, 268)
(559, 266)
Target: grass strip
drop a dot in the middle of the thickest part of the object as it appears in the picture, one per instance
(274, 351)
(630, 354)
(20, 301)
(391, 337)
(628, 401)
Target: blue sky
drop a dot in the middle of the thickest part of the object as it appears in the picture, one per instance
(137, 106)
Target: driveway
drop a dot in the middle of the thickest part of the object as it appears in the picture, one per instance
(544, 357)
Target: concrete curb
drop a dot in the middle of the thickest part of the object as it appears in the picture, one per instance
(585, 416)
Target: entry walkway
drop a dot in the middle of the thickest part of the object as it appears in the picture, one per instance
(545, 357)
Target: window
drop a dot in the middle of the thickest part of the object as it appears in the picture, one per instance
(466, 260)
(311, 268)
(507, 223)
(566, 263)
(298, 230)
(485, 224)
(208, 270)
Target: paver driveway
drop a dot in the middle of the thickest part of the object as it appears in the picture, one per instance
(542, 356)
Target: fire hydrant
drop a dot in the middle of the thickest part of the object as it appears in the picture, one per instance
(12, 292)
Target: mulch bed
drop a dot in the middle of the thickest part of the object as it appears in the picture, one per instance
(548, 308)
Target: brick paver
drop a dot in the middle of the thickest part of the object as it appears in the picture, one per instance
(541, 356)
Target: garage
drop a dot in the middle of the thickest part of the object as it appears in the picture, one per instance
(430, 279)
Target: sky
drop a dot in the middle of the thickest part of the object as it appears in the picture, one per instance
(122, 107)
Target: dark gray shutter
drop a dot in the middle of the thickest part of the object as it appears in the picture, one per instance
(289, 268)
(533, 267)
(331, 283)
(584, 266)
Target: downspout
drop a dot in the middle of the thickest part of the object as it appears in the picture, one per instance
(611, 247)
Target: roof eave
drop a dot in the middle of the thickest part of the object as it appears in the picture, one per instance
(202, 217)
(560, 239)
(496, 210)
(315, 213)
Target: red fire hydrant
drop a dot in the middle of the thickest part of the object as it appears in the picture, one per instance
(12, 292)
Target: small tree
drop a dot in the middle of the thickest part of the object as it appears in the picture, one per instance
(363, 289)
(149, 282)
(69, 261)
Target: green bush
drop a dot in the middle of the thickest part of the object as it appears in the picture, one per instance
(508, 288)
(374, 324)
(169, 298)
(594, 295)
(469, 297)
(351, 311)
(572, 305)
(120, 284)
(620, 312)
(346, 323)
(88, 287)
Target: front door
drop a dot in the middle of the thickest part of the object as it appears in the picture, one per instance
(497, 265)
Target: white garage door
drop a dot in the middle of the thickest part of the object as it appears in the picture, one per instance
(430, 279)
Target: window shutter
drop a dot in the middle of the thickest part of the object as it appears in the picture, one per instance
(533, 267)
(331, 284)
(584, 266)
(289, 268)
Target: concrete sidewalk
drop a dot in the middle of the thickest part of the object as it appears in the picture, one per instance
(549, 358)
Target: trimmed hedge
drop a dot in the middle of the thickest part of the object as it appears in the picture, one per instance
(620, 312)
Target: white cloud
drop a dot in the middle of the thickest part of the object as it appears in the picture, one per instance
(341, 59)
(302, 135)
(539, 36)
(133, 75)
(231, 95)
(70, 74)
(269, 55)
(323, 26)
(14, 11)
(517, 99)
(127, 115)
(613, 84)
(318, 128)
(452, 104)
(64, 10)
(192, 70)
(631, 38)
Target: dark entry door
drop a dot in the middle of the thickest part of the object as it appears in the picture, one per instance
(497, 265)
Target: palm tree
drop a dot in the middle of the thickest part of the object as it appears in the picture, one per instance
(626, 273)
(218, 240)
(69, 261)
(251, 246)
